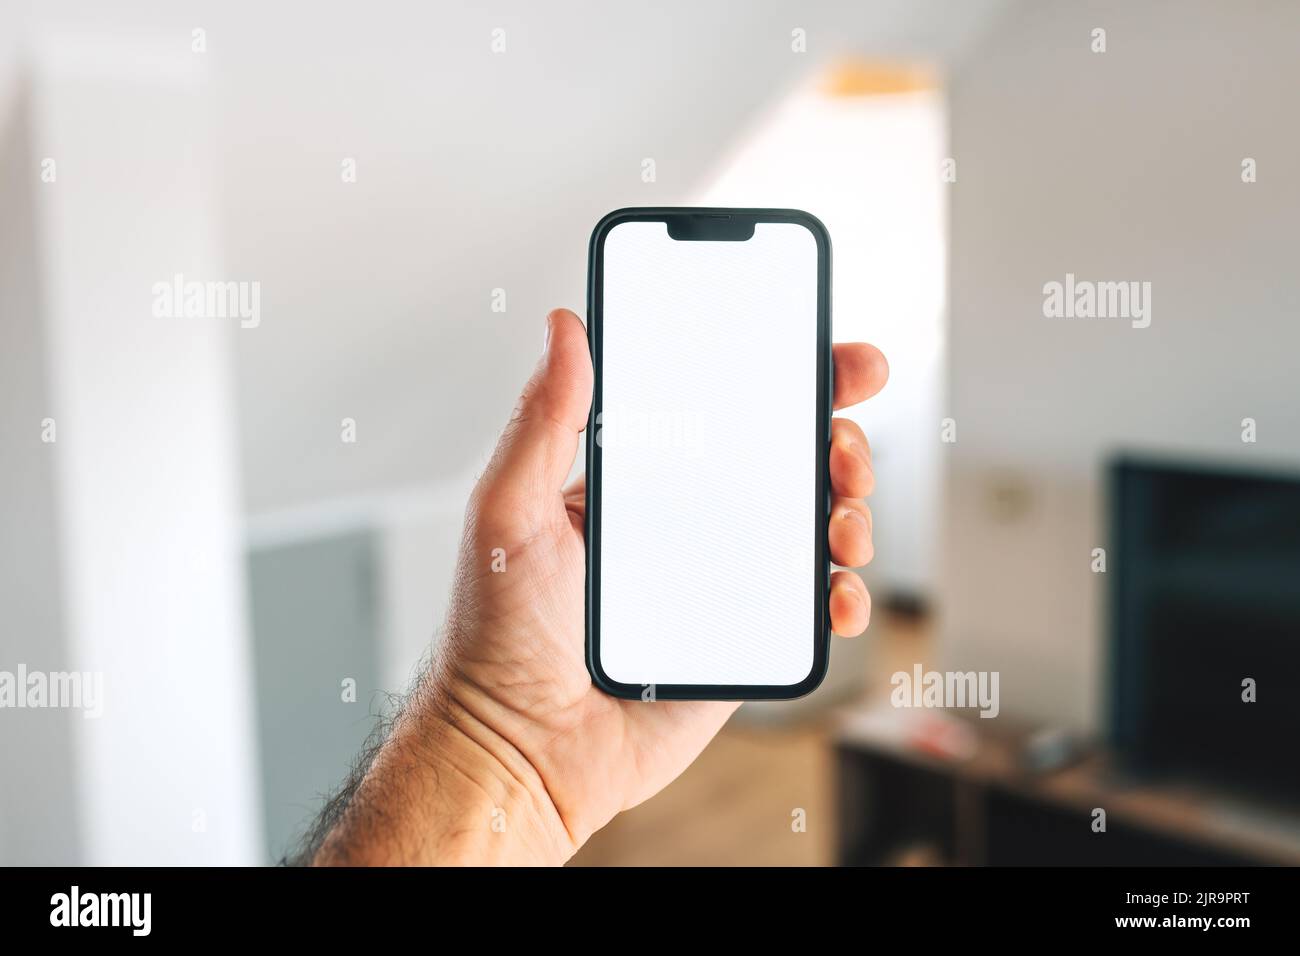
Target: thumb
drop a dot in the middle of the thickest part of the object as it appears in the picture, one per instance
(532, 459)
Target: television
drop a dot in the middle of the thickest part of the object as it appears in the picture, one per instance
(1204, 573)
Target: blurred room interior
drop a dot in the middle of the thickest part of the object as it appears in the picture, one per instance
(254, 586)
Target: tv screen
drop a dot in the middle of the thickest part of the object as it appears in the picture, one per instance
(1205, 591)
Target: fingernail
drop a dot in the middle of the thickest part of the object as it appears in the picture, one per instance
(853, 514)
(546, 342)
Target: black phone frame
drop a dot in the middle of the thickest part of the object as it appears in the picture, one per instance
(716, 224)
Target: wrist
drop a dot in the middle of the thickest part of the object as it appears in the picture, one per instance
(497, 808)
(444, 790)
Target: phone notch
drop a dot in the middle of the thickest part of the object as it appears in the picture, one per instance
(710, 227)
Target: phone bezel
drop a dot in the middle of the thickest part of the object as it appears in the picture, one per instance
(824, 399)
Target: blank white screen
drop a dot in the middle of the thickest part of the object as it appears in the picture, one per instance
(708, 434)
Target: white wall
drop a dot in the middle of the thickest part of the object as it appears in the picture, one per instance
(475, 171)
(137, 496)
(1121, 165)
(38, 813)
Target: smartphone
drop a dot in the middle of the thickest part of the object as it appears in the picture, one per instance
(708, 492)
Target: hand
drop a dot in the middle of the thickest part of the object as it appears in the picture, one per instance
(507, 753)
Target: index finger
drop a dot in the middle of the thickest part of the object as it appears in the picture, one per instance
(860, 372)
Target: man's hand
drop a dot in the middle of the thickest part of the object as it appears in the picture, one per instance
(506, 753)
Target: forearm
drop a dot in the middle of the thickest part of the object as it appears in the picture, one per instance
(439, 793)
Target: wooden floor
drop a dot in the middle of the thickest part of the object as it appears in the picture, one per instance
(736, 805)
(733, 806)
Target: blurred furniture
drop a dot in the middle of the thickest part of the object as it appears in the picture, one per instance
(902, 799)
